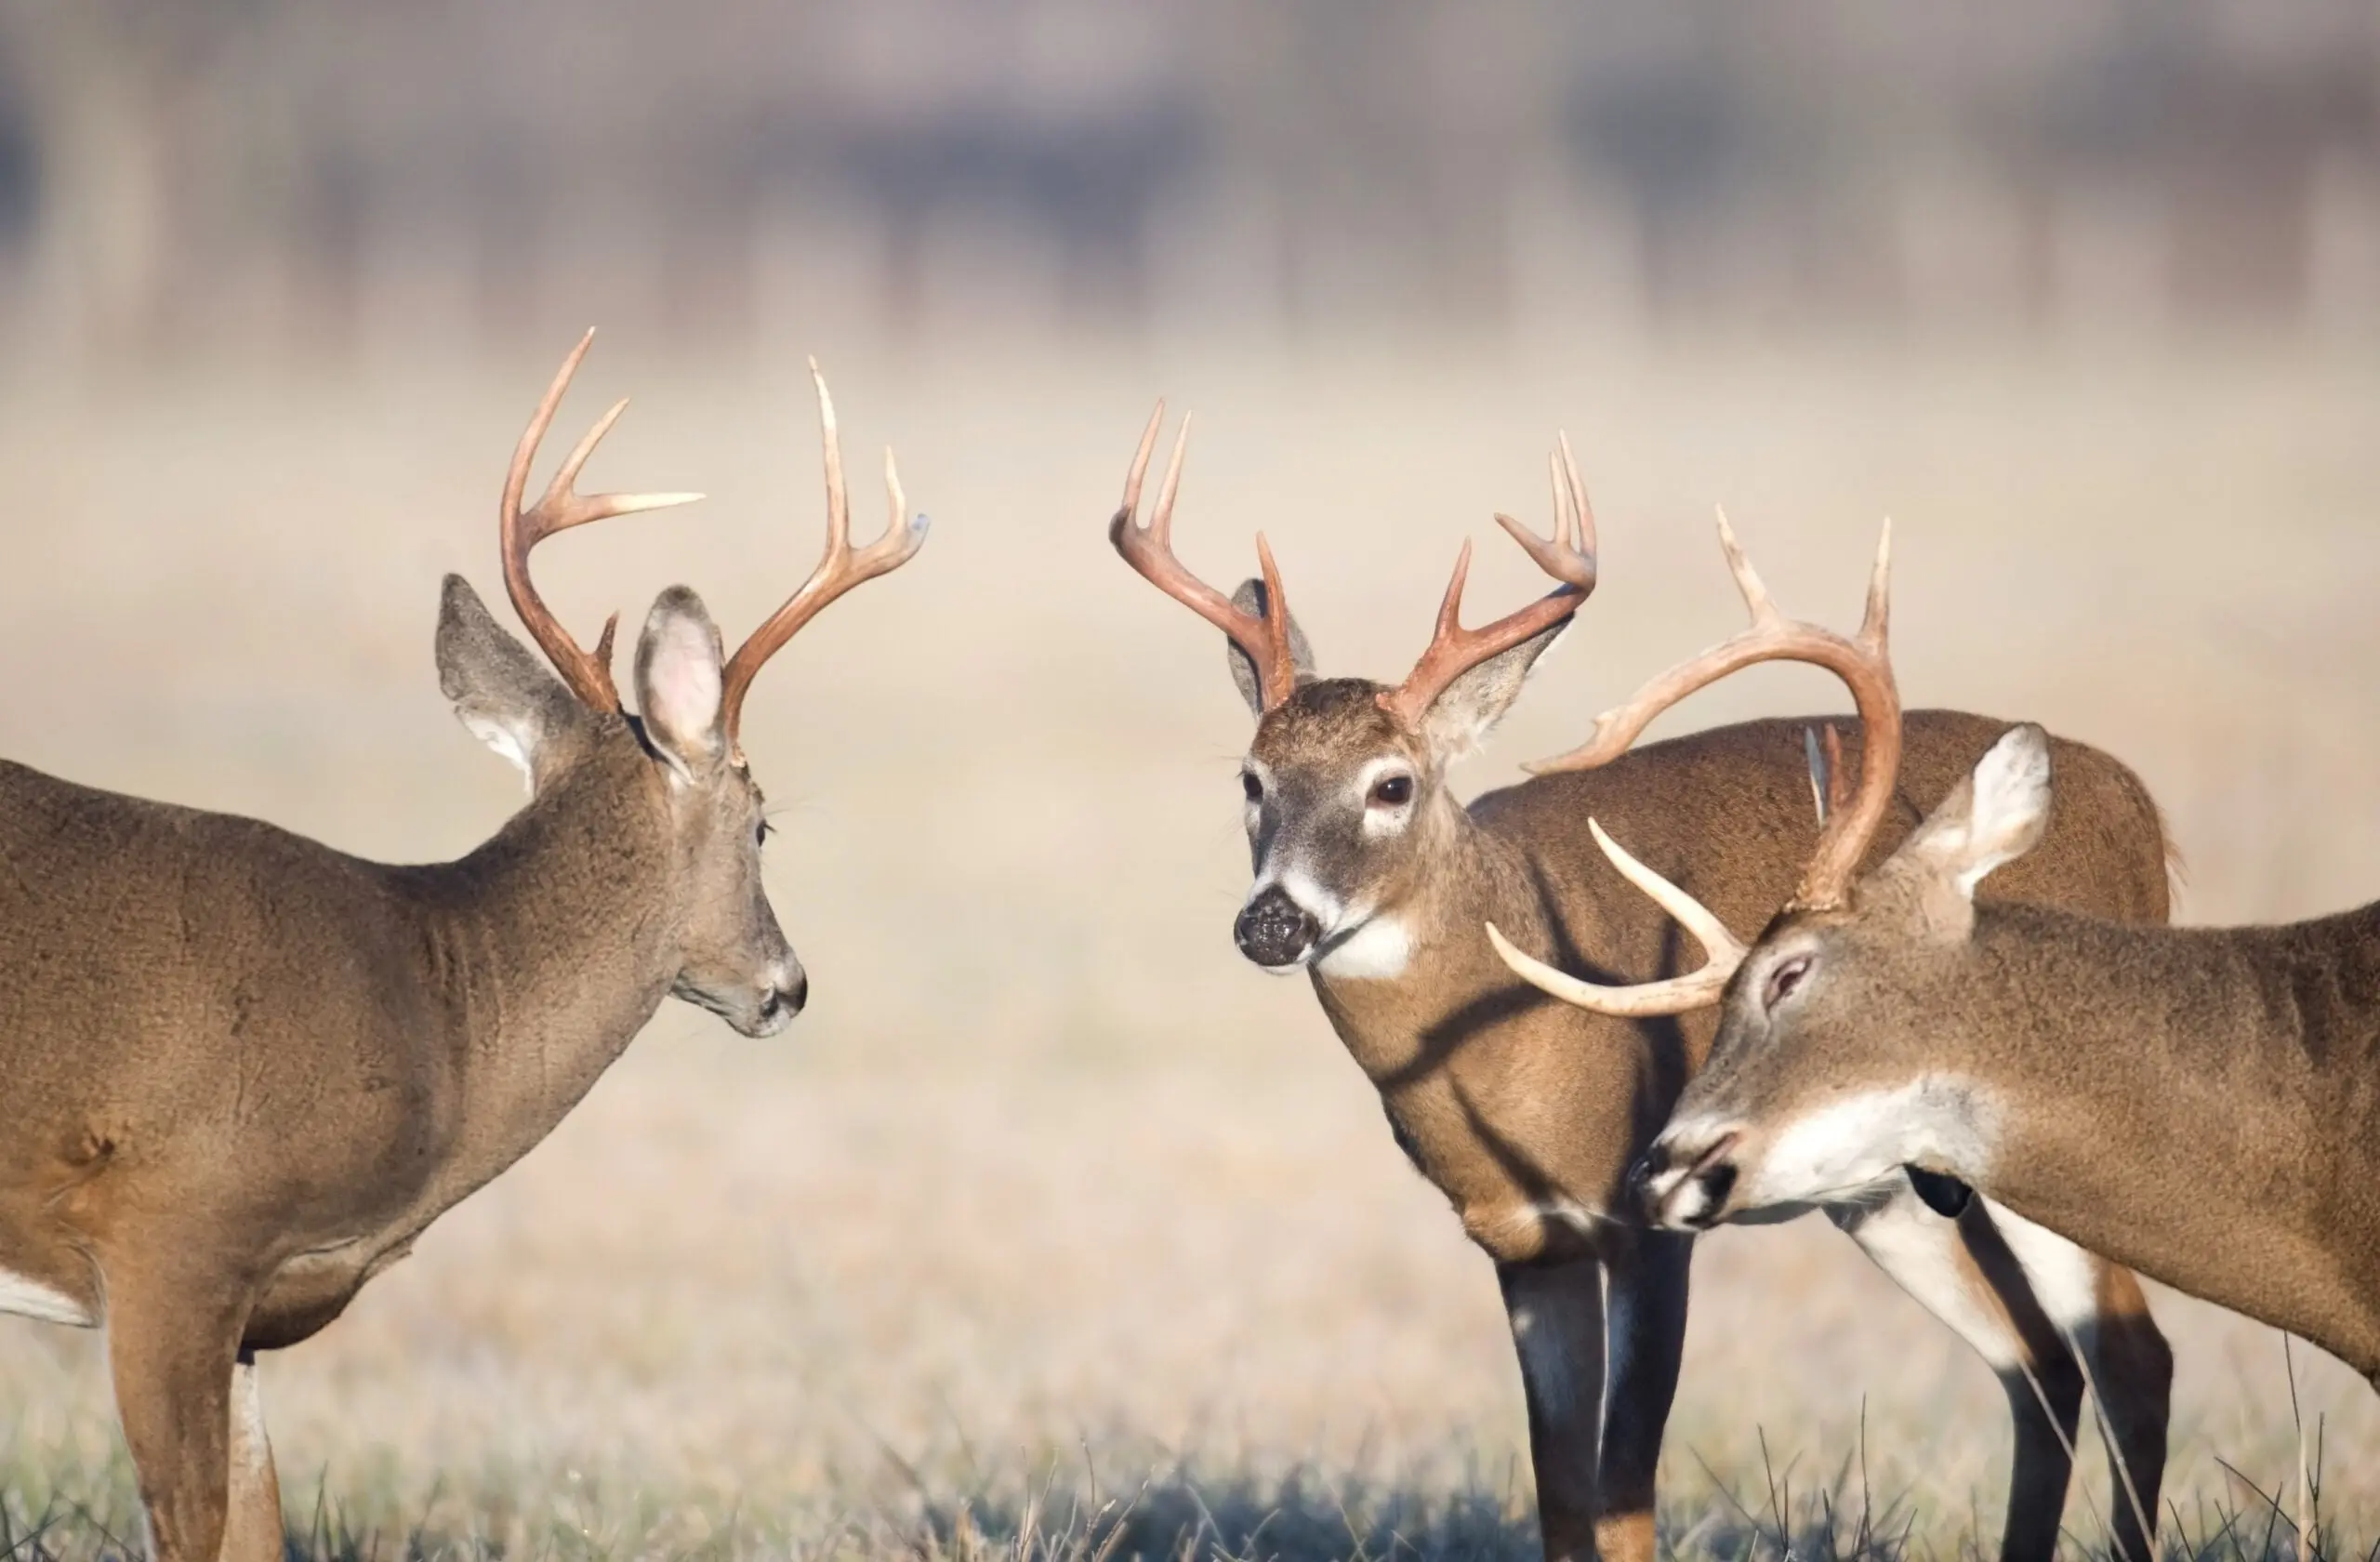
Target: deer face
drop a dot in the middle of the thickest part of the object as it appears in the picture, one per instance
(1839, 1054)
(1337, 800)
(1343, 801)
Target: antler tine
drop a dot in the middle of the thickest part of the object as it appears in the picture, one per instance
(587, 674)
(839, 568)
(1865, 667)
(1265, 639)
(1568, 556)
(1723, 952)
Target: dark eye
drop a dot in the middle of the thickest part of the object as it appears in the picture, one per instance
(760, 833)
(1783, 980)
(1251, 786)
(1393, 792)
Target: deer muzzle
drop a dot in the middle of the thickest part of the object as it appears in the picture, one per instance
(1274, 930)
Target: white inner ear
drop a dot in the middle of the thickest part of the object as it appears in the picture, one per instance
(2011, 803)
(681, 690)
(515, 740)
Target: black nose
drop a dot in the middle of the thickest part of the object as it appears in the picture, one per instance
(1640, 1176)
(1275, 930)
(798, 994)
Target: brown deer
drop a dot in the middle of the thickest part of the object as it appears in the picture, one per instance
(1374, 879)
(2192, 1101)
(245, 1071)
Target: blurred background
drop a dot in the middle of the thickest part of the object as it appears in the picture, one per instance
(1050, 1192)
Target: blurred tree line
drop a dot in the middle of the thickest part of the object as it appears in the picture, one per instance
(337, 178)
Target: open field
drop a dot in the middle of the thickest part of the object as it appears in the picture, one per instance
(1049, 1191)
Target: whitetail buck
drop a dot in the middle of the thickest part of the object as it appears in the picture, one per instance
(2201, 1104)
(245, 1071)
(1371, 876)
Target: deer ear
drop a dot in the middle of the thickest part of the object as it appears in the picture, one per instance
(1250, 597)
(1994, 816)
(1460, 718)
(502, 692)
(678, 683)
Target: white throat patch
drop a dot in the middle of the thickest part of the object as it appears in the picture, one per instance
(1860, 1138)
(1374, 952)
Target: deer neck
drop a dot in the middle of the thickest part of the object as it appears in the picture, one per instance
(554, 945)
(1423, 957)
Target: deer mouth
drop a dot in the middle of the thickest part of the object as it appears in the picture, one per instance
(1687, 1195)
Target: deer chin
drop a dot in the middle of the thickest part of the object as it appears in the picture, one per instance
(756, 1012)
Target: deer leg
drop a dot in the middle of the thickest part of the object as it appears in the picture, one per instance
(1963, 1273)
(173, 1351)
(252, 1529)
(2099, 1306)
(1557, 1315)
(1645, 1336)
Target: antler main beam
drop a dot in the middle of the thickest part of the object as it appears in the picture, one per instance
(1263, 639)
(1864, 664)
(1568, 556)
(839, 568)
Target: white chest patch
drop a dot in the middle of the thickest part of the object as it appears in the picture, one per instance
(1376, 951)
(30, 1299)
(1840, 1149)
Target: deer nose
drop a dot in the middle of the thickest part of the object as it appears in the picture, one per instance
(798, 994)
(1683, 1188)
(1273, 930)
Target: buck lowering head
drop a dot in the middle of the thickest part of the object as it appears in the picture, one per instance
(1842, 1055)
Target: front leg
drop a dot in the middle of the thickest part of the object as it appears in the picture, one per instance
(252, 1528)
(1964, 1275)
(173, 1344)
(1557, 1315)
(1645, 1336)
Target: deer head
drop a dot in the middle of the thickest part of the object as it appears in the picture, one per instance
(1345, 779)
(676, 765)
(1837, 1059)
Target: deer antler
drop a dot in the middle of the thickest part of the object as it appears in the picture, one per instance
(1568, 556)
(1149, 549)
(841, 568)
(587, 673)
(1864, 664)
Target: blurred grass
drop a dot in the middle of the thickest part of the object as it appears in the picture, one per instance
(1047, 1167)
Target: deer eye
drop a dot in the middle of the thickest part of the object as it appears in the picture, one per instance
(760, 833)
(1393, 792)
(1784, 980)
(1251, 786)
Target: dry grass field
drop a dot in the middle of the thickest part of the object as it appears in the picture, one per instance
(1053, 1228)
